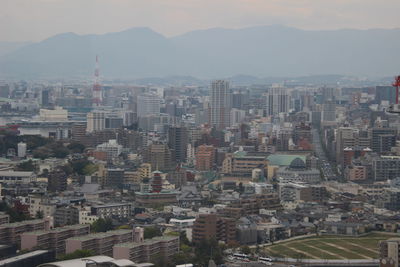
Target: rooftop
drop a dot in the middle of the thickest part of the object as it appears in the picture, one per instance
(101, 235)
(15, 224)
(58, 229)
(283, 160)
(147, 241)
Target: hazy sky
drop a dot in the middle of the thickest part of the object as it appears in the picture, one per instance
(35, 20)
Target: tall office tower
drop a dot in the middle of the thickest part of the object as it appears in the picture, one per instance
(45, 97)
(385, 93)
(329, 111)
(148, 104)
(240, 100)
(220, 104)
(96, 121)
(178, 141)
(277, 101)
(329, 94)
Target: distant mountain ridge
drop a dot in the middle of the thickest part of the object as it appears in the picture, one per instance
(265, 51)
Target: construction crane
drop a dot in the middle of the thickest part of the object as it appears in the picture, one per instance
(395, 108)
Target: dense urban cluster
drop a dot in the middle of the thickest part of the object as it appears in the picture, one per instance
(198, 174)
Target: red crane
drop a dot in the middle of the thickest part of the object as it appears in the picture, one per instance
(397, 85)
(395, 108)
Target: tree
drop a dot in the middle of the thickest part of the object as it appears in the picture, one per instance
(89, 169)
(39, 214)
(79, 165)
(27, 166)
(15, 214)
(183, 239)
(76, 147)
(150, 232)
(60, 152)
(245, 250)
(206, 250)
(102, 225)
(80, 253)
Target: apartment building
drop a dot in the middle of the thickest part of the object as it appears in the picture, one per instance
(10, 233)
(209, 226)
(17, 177)
(53, 239)
(99, 243)
(242, 164)
(120, 210)
(4, 218)
(205, 157)
(150, 250)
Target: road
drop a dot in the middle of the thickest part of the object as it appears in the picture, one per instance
(328, 171)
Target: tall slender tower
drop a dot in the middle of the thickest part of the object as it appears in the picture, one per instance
(221, 104)
(97, 94)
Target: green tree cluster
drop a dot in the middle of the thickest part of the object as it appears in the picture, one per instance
(102, 225)
(152, 231)
(83, 166)
(15, 215)
(27, 166)
(206, 250)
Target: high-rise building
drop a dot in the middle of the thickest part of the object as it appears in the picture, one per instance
(96, 121)
(205, 157)
(329, 111)
(148, 104)
(385, 93)
(178, 141)
(45, 97)
(21, 150)
(277, 101)
(382, 138)
(386, 168)
(208, 226)
(220, 104)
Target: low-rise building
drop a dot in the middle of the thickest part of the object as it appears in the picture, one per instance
(10, 233)
(99, 243)
(158, 249)
(17, 177)
(53, 239)
(163, 197)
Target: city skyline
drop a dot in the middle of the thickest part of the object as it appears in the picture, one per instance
(33, 21)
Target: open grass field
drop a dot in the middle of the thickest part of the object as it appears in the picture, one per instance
(330, 247)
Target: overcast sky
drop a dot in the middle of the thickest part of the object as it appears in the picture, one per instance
(35, 20)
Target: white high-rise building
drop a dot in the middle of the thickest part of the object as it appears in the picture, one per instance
(21, 149)
(148, 104)
(237, 116)
(96, 121)
(277, 101)
(220, 104)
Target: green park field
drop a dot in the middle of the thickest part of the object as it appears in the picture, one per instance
(330, 247)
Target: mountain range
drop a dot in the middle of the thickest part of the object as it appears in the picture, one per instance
(263, 51)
